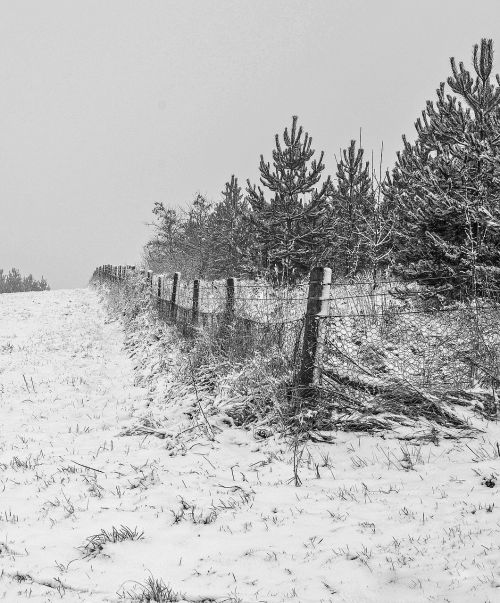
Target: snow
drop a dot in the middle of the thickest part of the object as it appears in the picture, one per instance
(375, 519)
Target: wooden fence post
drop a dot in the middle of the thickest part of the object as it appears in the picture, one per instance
(228, 318)
(150, 279)
(196, 302)
(318, 307)
(230, 283)
(159, 291)
(173, 298)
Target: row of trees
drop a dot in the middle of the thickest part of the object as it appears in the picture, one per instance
(435, 218)
(282, 228)
(13, 282)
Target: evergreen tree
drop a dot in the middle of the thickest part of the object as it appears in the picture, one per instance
(376, 232)
(354, 209)
(290, 227)
(230, 234)
(196, 239)
(445, 187)
(14, 281)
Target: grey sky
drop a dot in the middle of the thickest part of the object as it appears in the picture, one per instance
(108, 106)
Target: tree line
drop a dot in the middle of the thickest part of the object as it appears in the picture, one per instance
(14, 282)
(433, 218)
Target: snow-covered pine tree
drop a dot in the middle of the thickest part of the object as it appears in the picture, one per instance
(354, 208)
(231, 237)
(196, 239)
(291, 227)
(445, 187)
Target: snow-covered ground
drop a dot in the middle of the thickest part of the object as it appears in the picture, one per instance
(375, 519)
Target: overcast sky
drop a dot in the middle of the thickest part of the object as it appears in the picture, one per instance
(109, 106)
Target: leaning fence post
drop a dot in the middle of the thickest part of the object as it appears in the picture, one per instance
(196, 301)
(318, 307)
(173, 298)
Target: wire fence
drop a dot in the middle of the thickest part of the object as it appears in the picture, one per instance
(434, 350)
(243, 318)
(359, 337)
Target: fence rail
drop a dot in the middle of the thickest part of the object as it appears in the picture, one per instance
(348, 335)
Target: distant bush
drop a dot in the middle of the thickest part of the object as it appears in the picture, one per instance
(14, 282)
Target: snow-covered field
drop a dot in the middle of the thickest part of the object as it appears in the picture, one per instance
(375, 519)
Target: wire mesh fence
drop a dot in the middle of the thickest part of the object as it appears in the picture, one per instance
(363, 338)
(434, 350)
(394, 351)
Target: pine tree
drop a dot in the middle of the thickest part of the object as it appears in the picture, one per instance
(231, 237)
(354, 209)
(14, 281)
(445, 187)
(290, 226)
(196, 239)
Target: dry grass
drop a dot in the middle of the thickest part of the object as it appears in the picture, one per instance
(95, 544)
(152, 590)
